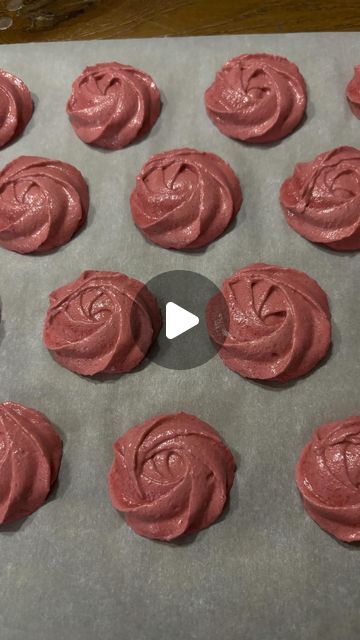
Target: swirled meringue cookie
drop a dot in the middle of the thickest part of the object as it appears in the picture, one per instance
(184, 198)
(321, 200)
(171, 476)
(353, 92)
(42, 204)
(113, 104)
(328, 478)
(103, 322)
(30, 456)
(278, 322)
(16, 107)
(257, 98)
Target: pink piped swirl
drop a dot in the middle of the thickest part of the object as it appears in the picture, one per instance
(16, 107)
(353, 92)
(103, 322)
(270, 323)
(328, 478)
(171, 476)
(257, 98)
(113, 104)
(42, 204)
(30, 456)
(184, 198)
(321, 200)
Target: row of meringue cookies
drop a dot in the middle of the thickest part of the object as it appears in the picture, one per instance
(257, 98)
(183, 199)
(171, 476)
(268, 323)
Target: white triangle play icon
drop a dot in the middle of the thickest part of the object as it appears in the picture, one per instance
(178, 320)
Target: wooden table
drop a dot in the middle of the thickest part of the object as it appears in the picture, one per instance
(37, 20)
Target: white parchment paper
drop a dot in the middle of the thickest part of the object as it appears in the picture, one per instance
(265, 571)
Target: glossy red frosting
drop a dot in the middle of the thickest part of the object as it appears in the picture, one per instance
(102, 322)
(270, 322)
(171, 476)
(113, 104)
(321, 200)
(30, 456)
(257, 98)
(353, 92)
(184, 198)
(16, 107)
(42, 204)
(328, 478)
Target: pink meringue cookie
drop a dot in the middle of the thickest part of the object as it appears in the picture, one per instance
(42, 204)
(16, 107)
(353, 92)
(257, 98)
(270, 323)
(30, 456)
(103, 322)
(113, 104)
(328, 478)
(184, 198)
(321, 200)
(171, 476)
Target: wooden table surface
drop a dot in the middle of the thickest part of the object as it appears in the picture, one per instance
(38, 20)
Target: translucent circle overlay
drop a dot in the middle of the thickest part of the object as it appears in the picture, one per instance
(191, 291)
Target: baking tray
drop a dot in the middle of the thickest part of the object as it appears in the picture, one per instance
(265, 571)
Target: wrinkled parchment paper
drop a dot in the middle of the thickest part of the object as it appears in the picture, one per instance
(265, 571)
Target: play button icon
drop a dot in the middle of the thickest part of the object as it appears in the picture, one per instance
(178, 320)
(183, 342)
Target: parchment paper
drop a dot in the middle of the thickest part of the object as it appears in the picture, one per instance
(265, 571)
